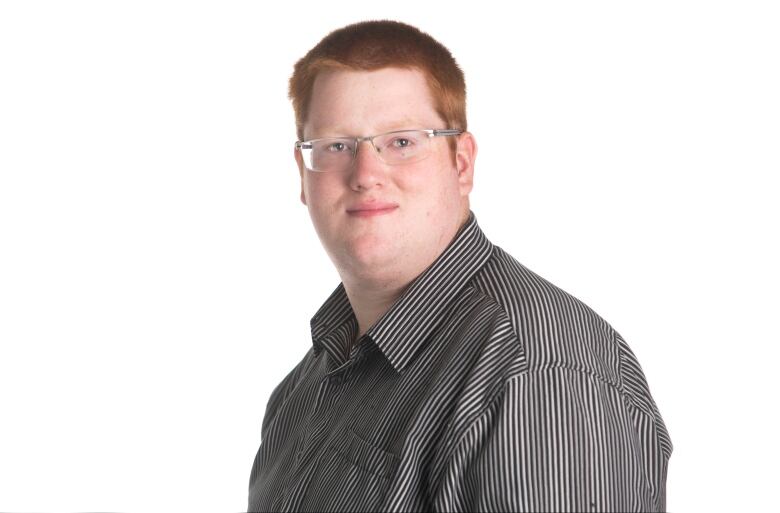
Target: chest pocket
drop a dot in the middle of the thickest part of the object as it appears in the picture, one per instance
(353, 475)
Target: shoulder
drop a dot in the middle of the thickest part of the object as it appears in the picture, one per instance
(555, 336)
(283, 389)
(552, 328)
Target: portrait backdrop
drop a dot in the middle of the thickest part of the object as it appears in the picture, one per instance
(158, 271)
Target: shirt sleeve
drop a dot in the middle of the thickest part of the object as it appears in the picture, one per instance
(557, 440)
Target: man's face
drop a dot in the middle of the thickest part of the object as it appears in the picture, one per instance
(422, 203)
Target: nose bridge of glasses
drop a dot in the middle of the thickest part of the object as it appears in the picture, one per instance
(368, 139)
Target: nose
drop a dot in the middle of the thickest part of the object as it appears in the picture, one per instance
(368, 170)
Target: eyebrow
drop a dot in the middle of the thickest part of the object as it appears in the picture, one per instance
(389, 127)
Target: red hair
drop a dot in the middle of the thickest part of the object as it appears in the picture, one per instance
(372, 45)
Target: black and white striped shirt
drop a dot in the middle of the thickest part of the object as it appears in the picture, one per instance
(483, 388)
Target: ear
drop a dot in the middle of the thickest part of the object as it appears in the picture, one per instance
(465, 154)
(301, 170)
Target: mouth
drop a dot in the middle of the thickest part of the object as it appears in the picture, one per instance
(372, 210)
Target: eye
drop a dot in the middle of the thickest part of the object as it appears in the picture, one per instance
(401, 142)
(337, 147)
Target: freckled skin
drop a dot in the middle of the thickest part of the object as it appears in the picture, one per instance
(432, 195)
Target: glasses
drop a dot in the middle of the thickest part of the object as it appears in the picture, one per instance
(334, 154)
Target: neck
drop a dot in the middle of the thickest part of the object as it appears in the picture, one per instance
(371, 296)
(370, 301)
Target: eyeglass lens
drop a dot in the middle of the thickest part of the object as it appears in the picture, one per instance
(336, 154)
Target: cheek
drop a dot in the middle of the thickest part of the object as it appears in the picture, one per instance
(321, 192)
(433, 189)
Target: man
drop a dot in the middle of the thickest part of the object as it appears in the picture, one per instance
(444, 375)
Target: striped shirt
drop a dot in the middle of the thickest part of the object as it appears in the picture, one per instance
(484, 388)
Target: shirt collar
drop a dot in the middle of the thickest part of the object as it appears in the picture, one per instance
(401, 331)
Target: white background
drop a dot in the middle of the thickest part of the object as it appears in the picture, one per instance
(158, 272)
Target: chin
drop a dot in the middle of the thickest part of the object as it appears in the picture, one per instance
(370, 251)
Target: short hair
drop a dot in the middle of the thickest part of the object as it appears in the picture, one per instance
(377, 44)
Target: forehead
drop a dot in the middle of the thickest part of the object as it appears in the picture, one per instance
(346, 102)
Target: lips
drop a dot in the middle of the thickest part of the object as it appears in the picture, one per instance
(370, 209)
